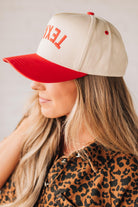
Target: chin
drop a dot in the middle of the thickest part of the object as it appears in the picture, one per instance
(48, 115)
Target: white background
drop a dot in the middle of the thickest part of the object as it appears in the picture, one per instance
(22, 25)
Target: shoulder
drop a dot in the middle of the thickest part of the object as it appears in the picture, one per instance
(121, 163)
(122, 168)
(101, 157)
(115, 174)
(122, 159)
(123, 172)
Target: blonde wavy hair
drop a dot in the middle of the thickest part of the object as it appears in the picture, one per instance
(105, 106)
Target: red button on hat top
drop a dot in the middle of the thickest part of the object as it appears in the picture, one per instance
(90, 13)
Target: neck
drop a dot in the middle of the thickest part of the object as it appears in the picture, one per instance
(83, 140)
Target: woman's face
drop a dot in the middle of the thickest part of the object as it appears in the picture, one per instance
(56, 99)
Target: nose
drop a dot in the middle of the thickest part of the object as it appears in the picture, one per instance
(37, 85)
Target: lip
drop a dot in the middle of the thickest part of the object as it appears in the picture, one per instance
(43, 100)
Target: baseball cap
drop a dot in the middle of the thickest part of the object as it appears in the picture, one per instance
(74, 45)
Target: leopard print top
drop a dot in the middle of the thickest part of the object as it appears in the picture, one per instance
(111, 180)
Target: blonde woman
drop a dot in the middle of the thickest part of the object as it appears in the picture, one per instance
(77, 142)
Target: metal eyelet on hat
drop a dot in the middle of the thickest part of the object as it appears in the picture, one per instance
(106, 32)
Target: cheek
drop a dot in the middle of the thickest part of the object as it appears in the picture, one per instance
(61, 104)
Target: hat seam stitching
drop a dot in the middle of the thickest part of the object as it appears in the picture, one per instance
(85, 51)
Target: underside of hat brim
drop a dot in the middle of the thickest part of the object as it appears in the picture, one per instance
(39, 69)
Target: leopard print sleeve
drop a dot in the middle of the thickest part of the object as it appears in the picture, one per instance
(7, 192)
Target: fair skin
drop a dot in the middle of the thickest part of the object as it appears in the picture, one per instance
(56, 100)
(10, 149)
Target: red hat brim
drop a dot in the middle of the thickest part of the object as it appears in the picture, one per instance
(39, 69)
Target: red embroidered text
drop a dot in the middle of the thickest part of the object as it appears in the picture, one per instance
(52, 34)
